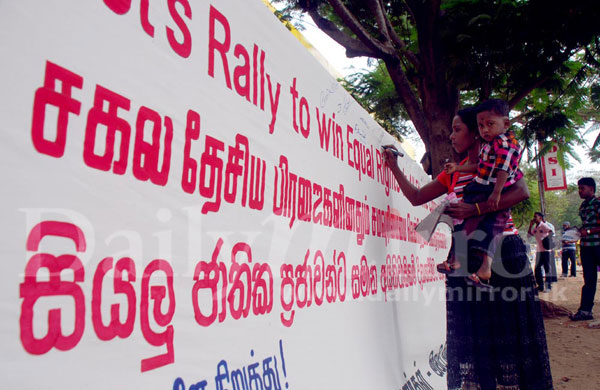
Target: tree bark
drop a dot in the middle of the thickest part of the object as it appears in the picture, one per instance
(440, 147)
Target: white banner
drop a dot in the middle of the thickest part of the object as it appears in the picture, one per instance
(553, 173)
(190, 201)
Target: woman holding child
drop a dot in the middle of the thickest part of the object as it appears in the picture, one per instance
(495, 335)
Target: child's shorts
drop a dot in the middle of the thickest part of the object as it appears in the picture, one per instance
(483, 233)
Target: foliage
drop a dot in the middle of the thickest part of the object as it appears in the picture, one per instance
(594, 112)
(523, 212)
(517, 50)
(548, 127)
(555, 113)
(560, 205)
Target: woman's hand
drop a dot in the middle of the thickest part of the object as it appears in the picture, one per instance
(461, 210)
(389, 157)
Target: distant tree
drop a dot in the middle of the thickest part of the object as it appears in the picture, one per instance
(439, 53)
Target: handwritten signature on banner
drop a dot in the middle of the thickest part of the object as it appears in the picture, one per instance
(343, 104)
(437, 363)
(253, 376)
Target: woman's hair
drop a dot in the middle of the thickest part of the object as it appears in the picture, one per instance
(468, 115)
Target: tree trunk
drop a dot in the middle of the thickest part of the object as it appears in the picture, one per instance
(440, 148)
(431, 115)
(540, 180)
(433, 103)
(430, 101)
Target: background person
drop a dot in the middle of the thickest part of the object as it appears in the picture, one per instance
(568, 250)
(498, 340)
(553, 276)
(589, 211)
(539, 229)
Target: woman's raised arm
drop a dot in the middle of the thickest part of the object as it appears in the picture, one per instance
(416, 196)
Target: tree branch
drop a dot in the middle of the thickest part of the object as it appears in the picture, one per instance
(354, 47)
(410, 9)
(537, 82)
(377, 11)
(409, 100)
(362, 34)
(401, 46)
(512, 102)
(519, 118)
(387, 30)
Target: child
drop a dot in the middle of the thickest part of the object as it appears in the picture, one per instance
(497, 169)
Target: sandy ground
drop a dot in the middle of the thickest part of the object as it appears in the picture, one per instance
(573, 347)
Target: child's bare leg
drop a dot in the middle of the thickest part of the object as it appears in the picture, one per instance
(485, 271)
(450, 264)
(481, 278)
(453, 262)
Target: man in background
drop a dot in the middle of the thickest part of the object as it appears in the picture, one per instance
(552, 277)
(589, 211)
(568, 250)
(540, 230)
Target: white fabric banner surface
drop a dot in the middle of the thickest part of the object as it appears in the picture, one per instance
(190, 201)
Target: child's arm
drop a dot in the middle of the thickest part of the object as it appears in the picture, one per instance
(451, 167)
(507, 158)
(513, 195)
(494, 198)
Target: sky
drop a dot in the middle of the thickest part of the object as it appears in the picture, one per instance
(335, 55)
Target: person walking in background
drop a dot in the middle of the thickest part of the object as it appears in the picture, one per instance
(589, 212)
(549, 242)
(568, 241)
(540, 230)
